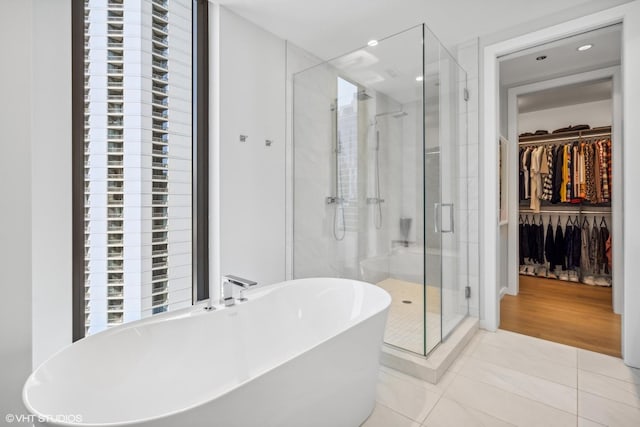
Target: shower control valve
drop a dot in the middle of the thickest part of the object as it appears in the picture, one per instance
(331, 200)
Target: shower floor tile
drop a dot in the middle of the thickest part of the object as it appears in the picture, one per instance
(406, 321)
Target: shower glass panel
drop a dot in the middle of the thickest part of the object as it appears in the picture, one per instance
(376, 178)
(445, 190)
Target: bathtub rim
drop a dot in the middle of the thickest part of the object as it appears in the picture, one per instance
(193, 311)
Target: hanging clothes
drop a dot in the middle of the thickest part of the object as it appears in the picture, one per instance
(536, 180)
(585, 265)
(589, 173)
(533, 249)
(526, 161)
(576, 246)
(524, 239)
(558, 161)
(540, 243)
(549, 248)
(521, 175)
(521, 250)
(603, 236)
(604, 169)
(559, 247)
(594, 239)
(568, 245)
(547, 186)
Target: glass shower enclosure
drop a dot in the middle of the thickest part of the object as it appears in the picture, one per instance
(379, 171)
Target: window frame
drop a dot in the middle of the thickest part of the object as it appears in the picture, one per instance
(200, 151)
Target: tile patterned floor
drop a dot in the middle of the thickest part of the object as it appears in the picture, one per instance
(507, 379)
(405, 322)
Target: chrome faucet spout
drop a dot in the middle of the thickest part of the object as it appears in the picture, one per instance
(229, 282)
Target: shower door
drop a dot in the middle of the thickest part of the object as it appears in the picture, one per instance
(445, 192)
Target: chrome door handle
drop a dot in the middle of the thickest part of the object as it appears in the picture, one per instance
(437, 208)
(451, 218)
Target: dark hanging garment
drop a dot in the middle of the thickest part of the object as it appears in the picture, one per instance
(524, 241)
(603, 236)
(568, 246)
(557, 174)
(594, 239)
(533, 250)
(569, 182)
(549, 249)
(521, 174)
(585, 262)
(577, 245)
(527, 175)
(559, 247)
(540, 243)
(521, 244)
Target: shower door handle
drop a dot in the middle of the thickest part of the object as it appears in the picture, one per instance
(437, 210)
(450, 227)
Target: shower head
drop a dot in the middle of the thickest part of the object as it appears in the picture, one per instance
(363, 96)
(394, 114)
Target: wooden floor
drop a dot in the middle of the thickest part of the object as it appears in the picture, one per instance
(568, 313)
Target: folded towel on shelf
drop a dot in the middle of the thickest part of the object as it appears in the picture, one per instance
(541, 132)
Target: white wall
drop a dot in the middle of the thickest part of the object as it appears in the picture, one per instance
(15, 186)
(592, 113)
(35, 261)
(251, 175)
(51, 174)
(631, 197)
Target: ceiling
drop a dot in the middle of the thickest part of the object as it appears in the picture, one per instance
(329, 28)
(566, 95)
(562, 57)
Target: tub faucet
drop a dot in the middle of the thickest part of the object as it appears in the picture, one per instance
(228, 284)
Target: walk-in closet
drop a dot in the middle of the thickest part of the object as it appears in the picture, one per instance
(559, 197)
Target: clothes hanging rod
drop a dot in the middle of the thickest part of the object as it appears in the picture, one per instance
(566, 138)
(567, 212)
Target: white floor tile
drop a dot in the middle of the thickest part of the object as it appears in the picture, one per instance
(544, 391)
(458, 363)
(607, 365)
(506, 406)
(535, 347)
(610, 388)
(409, 398)
(528, 360)
(583, 422)
(449, 413)
(385, 417)
(607, 412)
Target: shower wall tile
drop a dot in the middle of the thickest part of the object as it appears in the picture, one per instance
(474, 256)
(468, 57)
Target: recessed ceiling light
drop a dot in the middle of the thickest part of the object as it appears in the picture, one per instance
(541, 58)
(419, 78)
(372, 43)
(585, 47)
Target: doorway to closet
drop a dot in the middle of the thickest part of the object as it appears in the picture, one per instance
(561, 196)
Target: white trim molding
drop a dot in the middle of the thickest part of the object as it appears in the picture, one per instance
(629, 15)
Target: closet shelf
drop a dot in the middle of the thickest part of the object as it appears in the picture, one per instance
(565, 136)
(569, 212)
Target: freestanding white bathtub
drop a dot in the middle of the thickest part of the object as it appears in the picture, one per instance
(301, 353)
